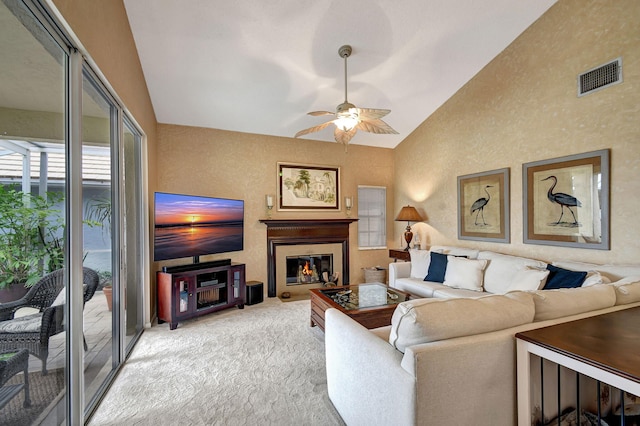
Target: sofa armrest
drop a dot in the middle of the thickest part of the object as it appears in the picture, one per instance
(398, 270)
(364, 376)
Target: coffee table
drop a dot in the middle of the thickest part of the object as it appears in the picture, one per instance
(370, 304)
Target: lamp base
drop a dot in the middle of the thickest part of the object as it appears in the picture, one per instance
(408, 236)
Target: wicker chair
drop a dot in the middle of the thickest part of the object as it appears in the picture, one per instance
(17, 362)
(33, 331)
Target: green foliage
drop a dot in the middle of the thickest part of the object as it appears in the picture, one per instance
(99, 213)
(29, 230)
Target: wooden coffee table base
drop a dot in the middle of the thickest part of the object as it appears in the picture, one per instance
(373, 317)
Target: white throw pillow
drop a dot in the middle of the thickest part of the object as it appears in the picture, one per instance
(61, 298)
(500, 272)
(595, 277)
(529, 279)
(420, 260)
(464, 273)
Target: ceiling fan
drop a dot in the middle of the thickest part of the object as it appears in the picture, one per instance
(348, 118)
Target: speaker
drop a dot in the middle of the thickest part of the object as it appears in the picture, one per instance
(255, 292)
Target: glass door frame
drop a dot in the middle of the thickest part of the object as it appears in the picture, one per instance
(76, 65)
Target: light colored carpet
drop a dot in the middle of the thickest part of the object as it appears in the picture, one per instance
(260, 365)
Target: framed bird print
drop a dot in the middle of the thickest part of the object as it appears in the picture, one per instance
(566, 201)
(483, 206)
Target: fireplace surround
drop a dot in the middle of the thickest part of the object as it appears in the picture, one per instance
(291, 232)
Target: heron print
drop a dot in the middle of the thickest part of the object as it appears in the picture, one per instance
(479, 205)
(482, 203)
(563, 200)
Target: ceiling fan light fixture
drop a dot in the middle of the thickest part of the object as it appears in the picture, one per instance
(349, 118)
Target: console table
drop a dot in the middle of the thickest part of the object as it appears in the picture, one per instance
(604, 347)
(399, 254)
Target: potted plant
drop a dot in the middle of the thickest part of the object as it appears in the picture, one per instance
(28, 224)
(107, 288)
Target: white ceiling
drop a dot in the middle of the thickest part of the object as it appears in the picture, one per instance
(258, 66)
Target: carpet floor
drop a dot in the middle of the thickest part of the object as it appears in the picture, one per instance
(260, 365)
(43, 390)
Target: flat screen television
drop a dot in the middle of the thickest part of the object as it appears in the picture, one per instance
(193, 226)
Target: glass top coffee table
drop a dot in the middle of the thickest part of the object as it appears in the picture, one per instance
(370, 304)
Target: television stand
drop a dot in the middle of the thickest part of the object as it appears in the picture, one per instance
(196, 266)
(202, 289)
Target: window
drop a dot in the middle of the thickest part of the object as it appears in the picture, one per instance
(372, 217)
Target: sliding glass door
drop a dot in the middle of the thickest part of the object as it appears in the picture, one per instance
(33, 187)
(71, 156)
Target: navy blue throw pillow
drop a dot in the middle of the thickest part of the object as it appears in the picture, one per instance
(563, 278)
(437, 268)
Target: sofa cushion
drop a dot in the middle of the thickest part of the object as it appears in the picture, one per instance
(551, 304)
(564, 278)
(464, 273)
(445, 292)
(528, 279)
(420, 260)
(502, 268)
(26, 324)
(437, 267)
(427, 320)
(417, 286)
(627, 290)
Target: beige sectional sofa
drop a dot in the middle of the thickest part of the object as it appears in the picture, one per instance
(450, 359)
(500, 274)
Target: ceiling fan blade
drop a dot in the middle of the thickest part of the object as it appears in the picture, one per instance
(316, 113)
(376, 126)
(313, 129)
(343, 137)
(372, 113)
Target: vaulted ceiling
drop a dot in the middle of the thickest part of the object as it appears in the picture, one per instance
(259, 66)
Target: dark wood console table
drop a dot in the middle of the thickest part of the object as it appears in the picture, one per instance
(399, 254)
(605, 347)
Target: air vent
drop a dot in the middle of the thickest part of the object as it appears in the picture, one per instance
(598, 78)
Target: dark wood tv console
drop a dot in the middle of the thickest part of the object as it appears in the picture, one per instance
(199, 291)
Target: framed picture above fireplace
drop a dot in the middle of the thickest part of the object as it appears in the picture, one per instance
(306, 187)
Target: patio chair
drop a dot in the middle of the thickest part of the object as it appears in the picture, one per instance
(33, 331)
(12, 363)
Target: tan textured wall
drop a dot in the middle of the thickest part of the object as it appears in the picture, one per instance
(523, 107)
(219, 163)
(103, 29)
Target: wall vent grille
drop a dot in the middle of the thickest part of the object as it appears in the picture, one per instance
(600, 77)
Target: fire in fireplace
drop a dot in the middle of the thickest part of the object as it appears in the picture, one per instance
(308, 269)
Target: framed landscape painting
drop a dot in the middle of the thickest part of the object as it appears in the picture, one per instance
(566, 201)
(305, 187)
(483, 206)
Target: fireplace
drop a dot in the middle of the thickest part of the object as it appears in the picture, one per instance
(305, 237)
(309, 268)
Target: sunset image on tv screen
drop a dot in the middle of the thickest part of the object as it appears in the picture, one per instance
(189, 225)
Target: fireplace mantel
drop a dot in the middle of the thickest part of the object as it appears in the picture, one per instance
(305, 231)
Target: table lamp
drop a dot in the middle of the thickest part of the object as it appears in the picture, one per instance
(410, 214)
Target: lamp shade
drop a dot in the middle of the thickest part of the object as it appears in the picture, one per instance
(410, 214)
